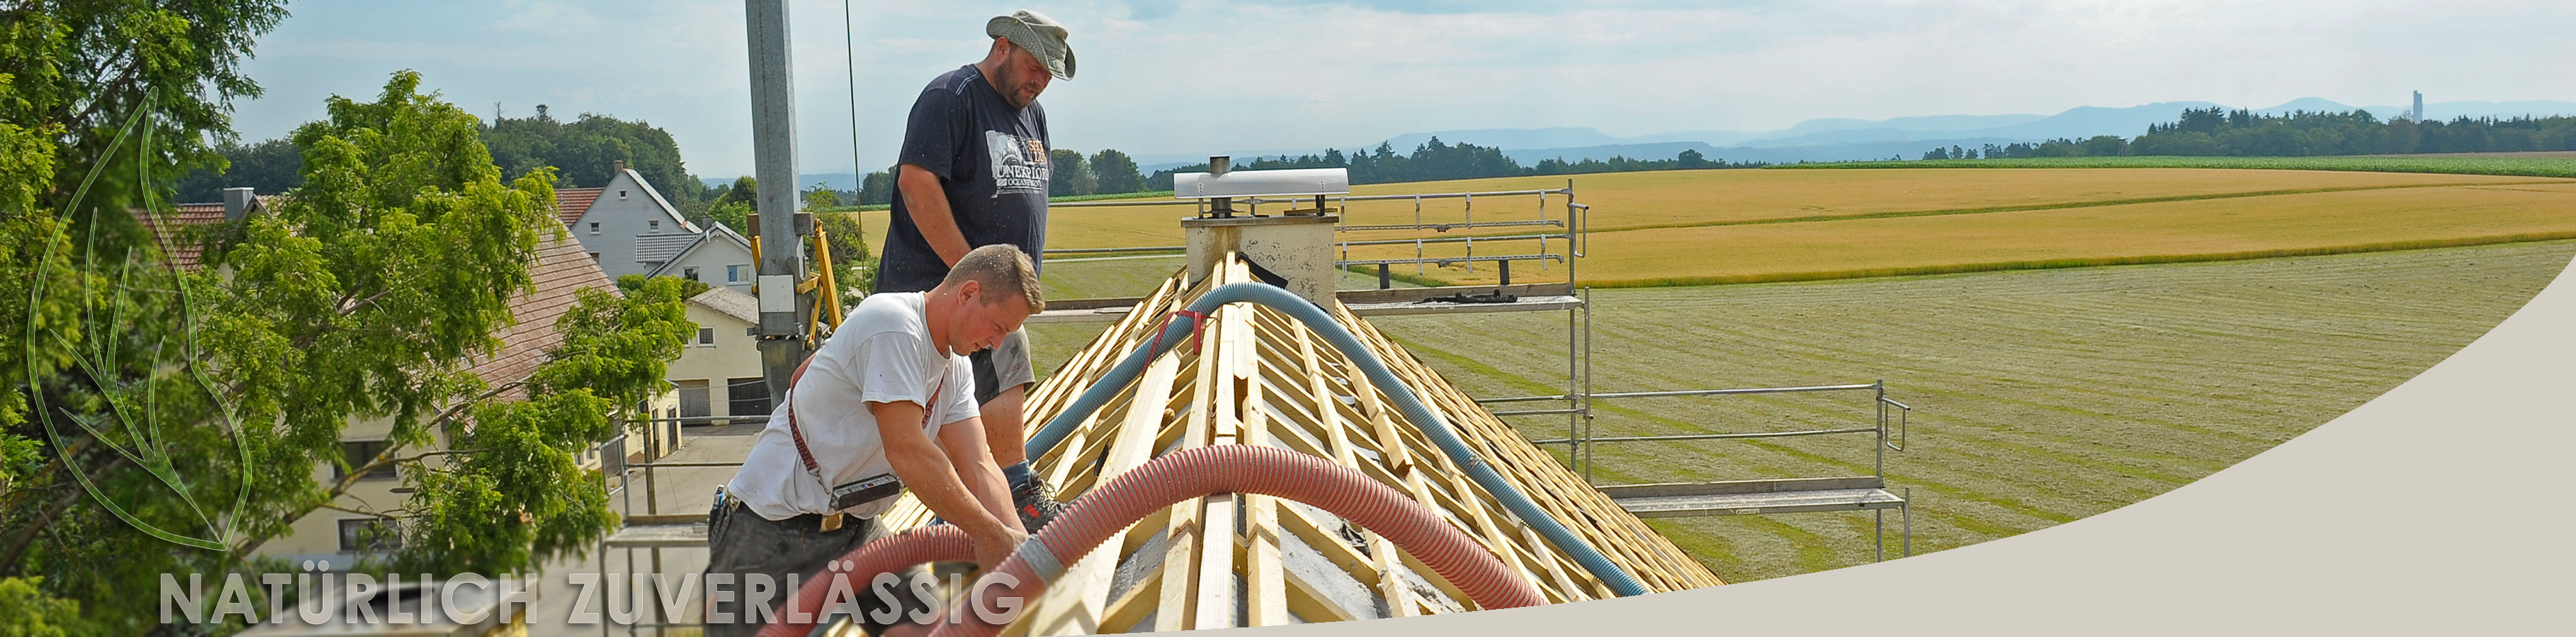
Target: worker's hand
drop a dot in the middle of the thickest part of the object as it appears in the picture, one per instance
(994, 546)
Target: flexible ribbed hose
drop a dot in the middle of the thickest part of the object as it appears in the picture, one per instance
(1429, 422)
(1191, 473)
(891, 554)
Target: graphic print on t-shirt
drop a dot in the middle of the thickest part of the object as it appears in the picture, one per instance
(1019, 163)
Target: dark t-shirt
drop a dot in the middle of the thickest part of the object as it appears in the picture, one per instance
(991, 160)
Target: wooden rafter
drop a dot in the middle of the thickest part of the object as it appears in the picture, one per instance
(1261, 378)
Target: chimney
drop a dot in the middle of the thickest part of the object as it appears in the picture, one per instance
(237, 202)
(620, 165)
(1296, 249)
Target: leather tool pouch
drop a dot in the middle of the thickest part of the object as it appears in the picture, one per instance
(865, 490)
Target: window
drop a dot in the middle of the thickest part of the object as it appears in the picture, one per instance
(368, 535)
(594, 227)
(690, 273)
(358, 453)
(747, 396)
(707, 336)
(594, 257)
(654, 225)
(693, 399)
(621, 194)
(733, 273)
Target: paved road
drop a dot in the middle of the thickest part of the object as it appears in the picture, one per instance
(675, 490)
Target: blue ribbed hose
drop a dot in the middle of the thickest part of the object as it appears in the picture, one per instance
(1341, 338)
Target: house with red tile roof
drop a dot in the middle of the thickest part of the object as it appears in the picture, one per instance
(626, 225)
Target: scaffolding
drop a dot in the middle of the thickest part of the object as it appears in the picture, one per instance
(1567, 244)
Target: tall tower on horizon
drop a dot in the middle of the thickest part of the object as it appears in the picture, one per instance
(2418, 115)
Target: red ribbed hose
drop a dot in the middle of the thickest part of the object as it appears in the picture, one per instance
(1192, 473)
(891, 554)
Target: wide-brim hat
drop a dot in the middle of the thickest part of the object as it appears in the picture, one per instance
(1040, 35)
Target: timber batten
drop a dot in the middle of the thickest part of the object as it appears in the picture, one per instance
(1259, 377)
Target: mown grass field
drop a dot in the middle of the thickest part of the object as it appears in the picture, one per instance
(1775, 225)
(2043, 396)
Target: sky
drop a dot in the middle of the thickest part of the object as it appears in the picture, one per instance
(1191, 77)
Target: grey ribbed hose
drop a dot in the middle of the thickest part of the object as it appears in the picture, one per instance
(1116, 380)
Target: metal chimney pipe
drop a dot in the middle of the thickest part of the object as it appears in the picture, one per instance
(1222, 207)
(237, 202)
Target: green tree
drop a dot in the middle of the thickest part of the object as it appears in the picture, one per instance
(1067, 174)
(856, 269)
(586, 150)
(821, 197)
(82, 86)
(1690, 158)
(1113, 171)
(205, 399)
(733, 204)
(876, 189)
(267, 167)
(26, 611)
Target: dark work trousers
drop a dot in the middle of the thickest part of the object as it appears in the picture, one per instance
(744, 544)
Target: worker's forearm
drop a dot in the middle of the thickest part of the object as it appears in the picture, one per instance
(928, 205)
(931, 478)
(985, 481)
(964, 442)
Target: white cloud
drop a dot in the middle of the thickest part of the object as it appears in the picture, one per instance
(1191, 76)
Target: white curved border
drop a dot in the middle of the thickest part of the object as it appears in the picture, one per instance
(2436, 508)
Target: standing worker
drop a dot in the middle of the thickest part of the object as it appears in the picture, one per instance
(885, 412)
(973, 172)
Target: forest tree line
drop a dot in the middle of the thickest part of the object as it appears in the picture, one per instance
(2219, 132)
(1435, 161)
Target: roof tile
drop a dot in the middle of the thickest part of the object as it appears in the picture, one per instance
(183, 246)
(560, 268)
(570, 203)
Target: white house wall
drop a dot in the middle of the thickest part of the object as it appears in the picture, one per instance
(735, 354)
(712, 260)
(626, 209)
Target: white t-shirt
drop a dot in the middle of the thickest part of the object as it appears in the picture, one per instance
(881, 353)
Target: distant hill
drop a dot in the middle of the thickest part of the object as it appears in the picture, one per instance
(1839, 139)
(836, 181)
(1832, 139)
(1774, 155)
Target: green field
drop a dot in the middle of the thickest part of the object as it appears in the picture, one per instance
(2044, 396)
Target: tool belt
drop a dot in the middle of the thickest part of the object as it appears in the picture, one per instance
(819, 522)
(855, 493)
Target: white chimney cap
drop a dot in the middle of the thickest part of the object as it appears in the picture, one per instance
(1263, 183)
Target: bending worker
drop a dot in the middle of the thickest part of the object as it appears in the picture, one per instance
(882, 407)
(974, 172)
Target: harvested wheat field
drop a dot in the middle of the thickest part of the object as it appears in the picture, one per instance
(1707, 226)
(2195, 230)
